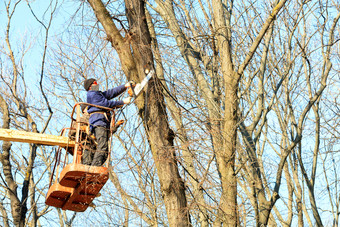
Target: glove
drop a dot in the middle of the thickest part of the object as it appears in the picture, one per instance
(130, 84)
(130, 91)
(127, 100)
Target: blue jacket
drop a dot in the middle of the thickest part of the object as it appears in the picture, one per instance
(102, 98)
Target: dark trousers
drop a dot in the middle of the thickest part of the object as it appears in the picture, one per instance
(102, 136)
(87, 157)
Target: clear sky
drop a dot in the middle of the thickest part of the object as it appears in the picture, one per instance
(25, 27)
(27, 36)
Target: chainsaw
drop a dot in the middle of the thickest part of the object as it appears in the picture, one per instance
(135, 91)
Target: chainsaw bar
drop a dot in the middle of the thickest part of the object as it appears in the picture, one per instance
(139, 87)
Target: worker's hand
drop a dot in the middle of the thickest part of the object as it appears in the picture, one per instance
(131, 83)
(127, 100)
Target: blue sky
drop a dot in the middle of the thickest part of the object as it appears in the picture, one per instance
(25, 27)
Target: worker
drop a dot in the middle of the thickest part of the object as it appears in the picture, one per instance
(100, 118)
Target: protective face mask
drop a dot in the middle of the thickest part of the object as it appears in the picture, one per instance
(95, 87)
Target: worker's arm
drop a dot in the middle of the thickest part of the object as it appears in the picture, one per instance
(114, 92)
(98, 98)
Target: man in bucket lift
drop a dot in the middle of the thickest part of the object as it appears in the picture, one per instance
(99, 118)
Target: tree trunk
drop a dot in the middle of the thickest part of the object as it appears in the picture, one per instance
(153, 112)
(6, 168)
(226, 157)
(187, 153)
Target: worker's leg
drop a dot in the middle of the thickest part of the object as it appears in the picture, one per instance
(87, 157)
(102, 135)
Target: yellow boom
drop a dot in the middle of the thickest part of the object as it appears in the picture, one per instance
(37, 138)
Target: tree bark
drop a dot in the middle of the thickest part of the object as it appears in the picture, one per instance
(187, 153)
(6, 166)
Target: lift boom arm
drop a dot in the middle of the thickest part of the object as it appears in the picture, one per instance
(37, 138)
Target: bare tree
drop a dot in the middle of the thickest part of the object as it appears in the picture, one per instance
(18, 112)
(238, 128)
